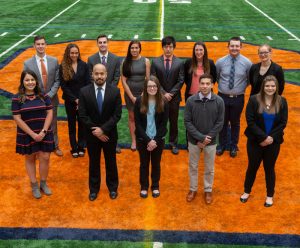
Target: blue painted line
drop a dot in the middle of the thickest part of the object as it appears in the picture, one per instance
(287, 240)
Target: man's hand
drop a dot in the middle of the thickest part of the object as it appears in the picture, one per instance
(151, 145)
(168, 96)
(207, 140)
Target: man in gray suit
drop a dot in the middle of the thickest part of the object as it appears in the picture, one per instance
(170, 72)
(46, 68)
(111, 62)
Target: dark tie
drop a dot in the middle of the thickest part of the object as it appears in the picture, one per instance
(167, 66)
(204, 99)
(231, 75)
(103, 60)
(99, 99)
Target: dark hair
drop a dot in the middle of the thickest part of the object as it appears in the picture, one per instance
(66, 64)
(102, 36)
(39, 37)
(21, 89)
(159, 99)
(168, 40)
(276, 101)
(126, 67)
(235, 38)
(205, 62)
(206, 75)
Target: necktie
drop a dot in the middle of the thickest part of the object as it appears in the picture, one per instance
(103, 60)
(167, 66)
(231, 75)
(44, 74)
(99, 99)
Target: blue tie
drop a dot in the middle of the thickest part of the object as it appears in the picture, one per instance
(231, 75)
(99, 99)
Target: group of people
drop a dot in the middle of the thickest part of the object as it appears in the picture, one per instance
(152, 95)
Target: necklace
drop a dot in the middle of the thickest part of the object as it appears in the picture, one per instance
(268, 106)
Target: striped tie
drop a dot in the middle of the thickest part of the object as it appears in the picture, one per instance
(232, 72)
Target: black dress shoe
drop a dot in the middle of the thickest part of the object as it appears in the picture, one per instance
(155, 193)
(144, 195)
(93, 196)
(244, 200)
(113, 195)
(220, 151)
(233, 152)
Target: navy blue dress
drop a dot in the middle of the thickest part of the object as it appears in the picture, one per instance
(33, 113)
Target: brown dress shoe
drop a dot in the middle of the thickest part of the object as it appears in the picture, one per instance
(191, 196)
(208, 197)
(58, 152)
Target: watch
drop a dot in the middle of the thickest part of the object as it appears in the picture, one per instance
(44, 131)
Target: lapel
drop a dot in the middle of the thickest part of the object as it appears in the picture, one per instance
(162, 65)
(108, 60)
(37, 72)
(92, 95)
(107, 95)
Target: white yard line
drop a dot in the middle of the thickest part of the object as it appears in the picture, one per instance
(3, 34)
(109, 36)
(162, 19)
(272, 20)
(57, 35)
(242, 38)
(38, 29)
(215, 37)
(188, 37)
(269, 38)
(136, 37)
(83, 36)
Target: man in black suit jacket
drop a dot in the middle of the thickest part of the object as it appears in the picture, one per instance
(100, 115)
(110, 60)
(170, 72)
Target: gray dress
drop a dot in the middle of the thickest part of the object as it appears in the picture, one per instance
(136, 81)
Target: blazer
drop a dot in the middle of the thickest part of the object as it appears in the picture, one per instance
(189, 76)
(256, 79)
(172, 82)
(53, 76)
(111, 111)
(255, 130)
(112, 66)
(161, 120)
(71, 88)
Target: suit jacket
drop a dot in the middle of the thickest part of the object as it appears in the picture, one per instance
(53, 76)
(255, 122)
(71, 88)
(189, 76)
(256, 79)
(161, 120)
(172, 82)
(112, 66)
(111, 111)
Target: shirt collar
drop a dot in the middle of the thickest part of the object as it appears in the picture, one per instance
(103, 87)
(208, 96)
(103, 55)
(170, 58)
(39, 58)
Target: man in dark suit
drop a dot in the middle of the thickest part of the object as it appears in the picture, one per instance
(47, 70)
(110, 60)
(100, 109)
(170, 72)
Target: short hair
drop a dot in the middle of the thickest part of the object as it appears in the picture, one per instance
(38, 37)
(206, 75)
(235, 38)
(168, 40)
(102, 36)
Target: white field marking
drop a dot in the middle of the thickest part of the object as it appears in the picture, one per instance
(188, 37)
(269, 38)
(23, 35)
(215, 37)
(242, 38)
(158, 245)
(156, 38)
(162, 18)
(136, 36)
(57, 35)
(180, 1)
(3, 34)
(272, 20)
(83, 35)
(109, 36)
(292, 39)
(142, 1)
(38, 29)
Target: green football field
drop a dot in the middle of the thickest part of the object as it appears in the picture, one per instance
(275, 22)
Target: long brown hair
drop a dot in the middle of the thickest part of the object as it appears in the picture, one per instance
(66, 64)
(276, 101)
(159, 100)
(194, 64)
(22, 90)
(126, 67)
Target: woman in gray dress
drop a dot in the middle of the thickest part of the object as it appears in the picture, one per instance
(135, 70)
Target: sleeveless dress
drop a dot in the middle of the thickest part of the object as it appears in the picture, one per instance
(33, 113)
(136, 80)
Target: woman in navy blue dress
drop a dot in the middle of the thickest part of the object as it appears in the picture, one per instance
(74, 74)
(32, 112)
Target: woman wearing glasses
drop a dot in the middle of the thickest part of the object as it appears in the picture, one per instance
(264, 68)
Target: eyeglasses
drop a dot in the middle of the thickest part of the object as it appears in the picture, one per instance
(151, 86)
(263, 53)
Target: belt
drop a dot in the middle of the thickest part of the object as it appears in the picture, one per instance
(230, 95)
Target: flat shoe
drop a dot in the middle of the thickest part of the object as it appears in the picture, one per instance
(144, 194)
(244, 200)
(155, 193)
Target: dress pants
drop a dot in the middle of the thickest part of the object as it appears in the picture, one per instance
(173, 121)
(256, 154)
(94, 151)
(233, 110)
(145, 158)
(72, 115)
(209, 165)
